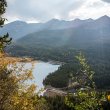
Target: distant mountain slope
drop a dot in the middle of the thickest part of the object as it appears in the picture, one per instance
(92, 37)
(85, 34)
(62, 40)
(18, 29)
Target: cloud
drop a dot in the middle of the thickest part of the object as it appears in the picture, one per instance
(41, 10)
(44, 10)
(91, 9)
(108, 1)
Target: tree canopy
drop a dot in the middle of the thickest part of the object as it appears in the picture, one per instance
(15, 91)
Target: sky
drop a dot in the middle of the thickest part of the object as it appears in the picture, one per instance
(33, 11)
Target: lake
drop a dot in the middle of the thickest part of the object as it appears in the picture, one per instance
(41, 70)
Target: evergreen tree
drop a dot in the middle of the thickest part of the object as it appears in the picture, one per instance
(90, 98)
(4, 40)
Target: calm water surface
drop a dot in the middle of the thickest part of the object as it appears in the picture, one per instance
(41, 70)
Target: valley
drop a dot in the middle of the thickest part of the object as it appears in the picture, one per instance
(61, 41)
(54, 55)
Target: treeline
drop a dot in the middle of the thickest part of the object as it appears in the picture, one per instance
(87, 99)
(99, 63)
(98, 58)
(16, 94)
(60, 78)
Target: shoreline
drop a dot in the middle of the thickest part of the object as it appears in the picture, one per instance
(19, 59)
(51, 62)
(30, 59)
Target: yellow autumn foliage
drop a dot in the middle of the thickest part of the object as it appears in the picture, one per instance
(15, 92)
(108, 97)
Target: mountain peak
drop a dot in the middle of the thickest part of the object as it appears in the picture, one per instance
(77, 19)
(18, 21)
(54, 20)
(90, 19)
(105, 17)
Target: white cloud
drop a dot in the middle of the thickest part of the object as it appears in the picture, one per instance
(108, 1)
(44, 10)
(91, 9)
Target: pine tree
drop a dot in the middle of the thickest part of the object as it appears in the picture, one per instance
(4, 40)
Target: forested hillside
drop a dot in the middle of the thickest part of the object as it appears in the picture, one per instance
(92, 37)
(75, 44)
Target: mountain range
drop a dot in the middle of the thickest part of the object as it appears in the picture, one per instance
(18, 29)
(61, 40)
(60, 33)
(56, 33)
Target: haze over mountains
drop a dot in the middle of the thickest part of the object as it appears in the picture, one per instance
(18, 29)
(78, 34)
(61, 40)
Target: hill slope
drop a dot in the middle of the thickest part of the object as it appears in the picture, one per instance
(18, 29)
(62, 44)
